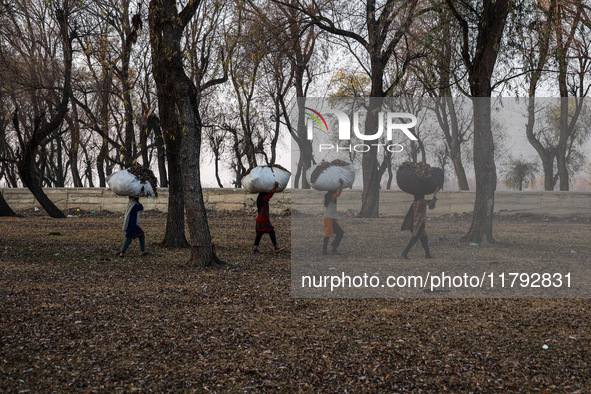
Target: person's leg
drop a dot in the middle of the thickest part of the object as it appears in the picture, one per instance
(325, 245)
(425, 244)
(274, 241)
(257, 240)
(125, 245)
(273, 237)
(328, 232)
(143, 245)
(411, 243)
(338, 236)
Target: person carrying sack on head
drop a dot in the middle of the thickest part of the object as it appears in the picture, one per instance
(131, 228)
(263, 222)
(416, 221)
(331, 220)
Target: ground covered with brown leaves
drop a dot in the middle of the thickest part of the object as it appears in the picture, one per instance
(75, 317)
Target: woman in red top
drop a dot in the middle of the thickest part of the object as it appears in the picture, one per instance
(263, 223)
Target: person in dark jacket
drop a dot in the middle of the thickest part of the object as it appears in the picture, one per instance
(416, 221)
(263, 222)
(131, 228)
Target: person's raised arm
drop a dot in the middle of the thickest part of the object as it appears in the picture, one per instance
(270, 194)
(339, 190)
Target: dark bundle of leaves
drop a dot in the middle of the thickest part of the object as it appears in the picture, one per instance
(144, 174)
(422, 170)
(324, 165)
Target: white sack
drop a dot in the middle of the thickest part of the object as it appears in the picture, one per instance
(262, 179)
(124, 183)
(329, 178)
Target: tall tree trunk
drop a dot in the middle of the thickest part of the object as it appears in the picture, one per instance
(480, 66)
(239, 169)
(390, 178)
(370, 198)
(154, 124)
(447, 115)
(460, 172)
(129, 153)
(5, 209)
(101, 161)
(174, 235)
(144, 131)
(561, 161)
(88, 170)
(546, 154)
(33, 183)
(298, 174)
(217, 169)
(74, 147)
(202, 248)
(100, 164)
(165, 38)
(129, 36)
(448, 121)
(162, 37)
(486, 175)
(304, 144)
(562, 47)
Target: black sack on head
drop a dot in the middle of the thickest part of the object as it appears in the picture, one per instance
(416, 178)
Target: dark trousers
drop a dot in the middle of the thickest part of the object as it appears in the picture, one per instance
(260, 234)
(128, 241)
(338, 236)
(424, 243)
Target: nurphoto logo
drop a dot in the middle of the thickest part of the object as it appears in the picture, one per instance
(391, 122)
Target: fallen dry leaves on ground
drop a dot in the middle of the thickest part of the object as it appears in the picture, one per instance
(74, 316)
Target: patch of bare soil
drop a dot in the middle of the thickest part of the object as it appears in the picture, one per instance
(75, 317)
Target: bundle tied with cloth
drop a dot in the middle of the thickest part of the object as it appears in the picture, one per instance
(135, 181)
(325, 175)
(261, 179)
(419, 178)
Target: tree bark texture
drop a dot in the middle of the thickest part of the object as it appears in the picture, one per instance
(480, 66)
(5, 209)
(166, 28)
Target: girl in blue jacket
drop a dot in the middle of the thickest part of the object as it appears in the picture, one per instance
(131, 228)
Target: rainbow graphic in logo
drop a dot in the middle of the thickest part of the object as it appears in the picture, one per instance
(317, 117)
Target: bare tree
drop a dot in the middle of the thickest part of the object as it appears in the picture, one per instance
(167, 59)
(438, 78)
(384, 30)
(296, 41)
(536, 53)
(119, 17)
(487, 23)
(49, 112)
(569, 15)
